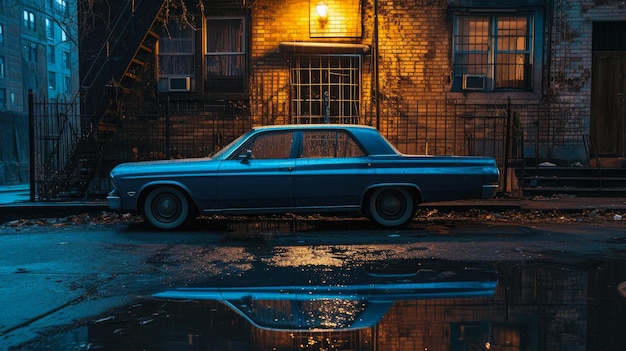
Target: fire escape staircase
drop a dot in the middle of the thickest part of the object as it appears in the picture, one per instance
(131, 42)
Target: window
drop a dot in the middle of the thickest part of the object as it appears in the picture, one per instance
(1, 34)
(3, 100)
(51, 58)
(59, 6)
(176, 59)
(29, 20)
(2, 67)
(68, 85)
(49, 28)
(30, 51)
(67, 61)
(493, 52)
(63, 35)
(52, 81)
(329, 144)
(225, 56)
(314, 76)
(271, 145)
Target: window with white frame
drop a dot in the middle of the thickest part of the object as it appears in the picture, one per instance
(493, 52)
(226, 54)
(324, 85)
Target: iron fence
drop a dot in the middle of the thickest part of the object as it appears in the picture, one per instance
(436, 128)
(55, 131)
(73, 158)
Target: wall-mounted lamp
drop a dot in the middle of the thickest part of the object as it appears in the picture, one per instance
(322, 11)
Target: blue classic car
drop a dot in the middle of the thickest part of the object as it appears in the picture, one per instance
(300, 169)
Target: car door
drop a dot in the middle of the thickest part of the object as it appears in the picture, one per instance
(259, 177)
(332, 170)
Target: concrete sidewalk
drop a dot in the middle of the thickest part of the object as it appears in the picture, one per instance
(15, 204)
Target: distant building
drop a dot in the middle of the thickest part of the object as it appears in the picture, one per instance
(38, 53)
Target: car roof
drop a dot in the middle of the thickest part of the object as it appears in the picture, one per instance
(314, 126)
(369, 137)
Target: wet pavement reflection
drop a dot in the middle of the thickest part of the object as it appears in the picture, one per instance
(385, 305)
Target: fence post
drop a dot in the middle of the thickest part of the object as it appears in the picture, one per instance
(31, 143)
(326, 108)
(167, 128)
(507, 146)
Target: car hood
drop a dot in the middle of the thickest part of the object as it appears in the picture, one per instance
(164, 167)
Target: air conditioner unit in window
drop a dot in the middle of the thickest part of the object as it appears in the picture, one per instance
(179, 84)
(474, 82)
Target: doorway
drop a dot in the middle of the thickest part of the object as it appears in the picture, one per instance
(608, 89)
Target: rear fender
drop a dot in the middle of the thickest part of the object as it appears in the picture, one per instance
(413, 189)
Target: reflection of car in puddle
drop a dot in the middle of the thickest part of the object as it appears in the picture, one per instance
(536, 306)
(342, 306)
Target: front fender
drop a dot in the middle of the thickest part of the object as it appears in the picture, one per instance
(145, 189)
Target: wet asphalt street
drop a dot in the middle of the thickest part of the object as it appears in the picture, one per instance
(60, 274)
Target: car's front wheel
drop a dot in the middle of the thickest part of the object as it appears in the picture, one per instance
(166, 208)
(391, 206)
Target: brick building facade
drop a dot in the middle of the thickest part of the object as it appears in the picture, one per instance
(435, 76)
(448, 77)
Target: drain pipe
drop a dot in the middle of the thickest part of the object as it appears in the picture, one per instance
(375, 64)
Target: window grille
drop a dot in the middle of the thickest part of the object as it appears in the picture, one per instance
(339, 76)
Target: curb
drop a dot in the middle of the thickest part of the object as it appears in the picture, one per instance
(28, 210)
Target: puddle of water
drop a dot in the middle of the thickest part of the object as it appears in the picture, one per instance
(534, 307)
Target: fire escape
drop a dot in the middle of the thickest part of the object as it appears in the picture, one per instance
(124, 59)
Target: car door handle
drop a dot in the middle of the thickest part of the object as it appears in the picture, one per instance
(285, 169)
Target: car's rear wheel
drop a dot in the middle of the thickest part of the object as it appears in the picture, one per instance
(391, 206)
(166, 208)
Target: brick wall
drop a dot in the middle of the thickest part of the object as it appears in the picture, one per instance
(569, 92)
(414, 54)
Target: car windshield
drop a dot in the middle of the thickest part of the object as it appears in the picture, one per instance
(228, 148)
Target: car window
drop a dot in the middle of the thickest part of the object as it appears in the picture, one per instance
(329, 143)
(271, 145)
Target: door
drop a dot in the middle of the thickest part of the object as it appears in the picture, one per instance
(608, 87)
(260, 177)
(332, 171)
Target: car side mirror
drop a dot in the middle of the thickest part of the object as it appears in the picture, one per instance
(245, 158)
